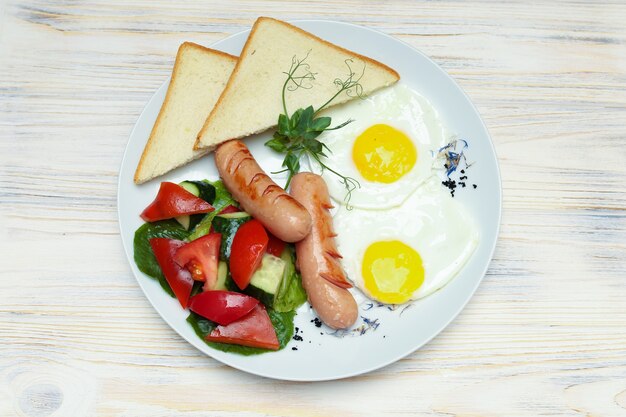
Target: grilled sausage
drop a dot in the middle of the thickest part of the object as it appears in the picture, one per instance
(261, 197)
(318, 259)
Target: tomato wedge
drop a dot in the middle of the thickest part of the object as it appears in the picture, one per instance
(178, 278)
(254, 329)
(200, 257)
(247, 251)
(275, 246)
(222, 307)
(229, 209)
(173, 200)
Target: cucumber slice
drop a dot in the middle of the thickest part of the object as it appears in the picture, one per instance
(265, 282)
(200, 189)
(191, 187)
(184, 221)
(222, 273)
(236, 215)
(269, 275)
(228, 226)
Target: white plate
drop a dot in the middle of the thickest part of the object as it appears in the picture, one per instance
(321, 356)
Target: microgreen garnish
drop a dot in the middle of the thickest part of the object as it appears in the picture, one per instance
(297, 134)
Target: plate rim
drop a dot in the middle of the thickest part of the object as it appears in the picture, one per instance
(469, 295)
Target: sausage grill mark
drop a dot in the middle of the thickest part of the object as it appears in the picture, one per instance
(271, 188)
(336, 278)
(334, 254)
(231, 161)
(290, 200)
(247, 158)
(259, 176)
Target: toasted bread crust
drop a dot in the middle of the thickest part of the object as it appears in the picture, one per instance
(165, 104)
(233, 75)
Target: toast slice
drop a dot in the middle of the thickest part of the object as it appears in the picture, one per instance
(198, 78)
(251, 101)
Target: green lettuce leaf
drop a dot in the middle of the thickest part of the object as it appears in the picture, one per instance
(290, 294)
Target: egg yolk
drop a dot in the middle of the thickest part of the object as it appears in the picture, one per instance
(392, 271)
(383, 154)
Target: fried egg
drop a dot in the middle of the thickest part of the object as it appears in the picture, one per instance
(406, 252)
(388, 148)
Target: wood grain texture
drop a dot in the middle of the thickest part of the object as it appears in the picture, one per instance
(545, 334)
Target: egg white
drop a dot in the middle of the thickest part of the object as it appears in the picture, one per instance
(397, 106)
(434, 224)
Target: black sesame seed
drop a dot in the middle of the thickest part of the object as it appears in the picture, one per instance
(294, 348)
(475, 186)
(450, 184)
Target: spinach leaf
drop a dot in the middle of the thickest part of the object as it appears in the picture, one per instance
(282, 322)
(222, 199)
(290, 294)
(144, 257)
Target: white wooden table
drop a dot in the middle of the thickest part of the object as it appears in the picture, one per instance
(545, 333)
